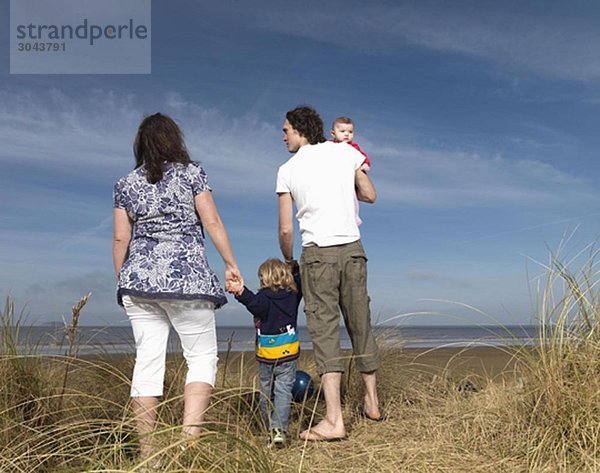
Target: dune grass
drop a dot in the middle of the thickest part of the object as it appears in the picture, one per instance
(538, 410)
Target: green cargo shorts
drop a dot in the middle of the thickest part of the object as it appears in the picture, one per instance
(334, 278)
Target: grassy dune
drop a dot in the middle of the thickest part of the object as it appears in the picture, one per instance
(475, 410)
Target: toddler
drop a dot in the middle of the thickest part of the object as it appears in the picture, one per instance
(275, 310)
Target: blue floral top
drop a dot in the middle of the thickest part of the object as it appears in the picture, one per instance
(166, 257)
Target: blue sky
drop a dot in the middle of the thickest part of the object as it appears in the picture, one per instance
(480, 119)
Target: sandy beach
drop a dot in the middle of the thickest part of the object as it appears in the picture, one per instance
(476, 360)
(484, 362)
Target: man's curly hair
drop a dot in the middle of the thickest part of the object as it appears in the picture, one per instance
(306, 121)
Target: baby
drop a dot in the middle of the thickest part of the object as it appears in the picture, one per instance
(342, 131)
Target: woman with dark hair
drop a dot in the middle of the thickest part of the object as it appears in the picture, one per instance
(161, 210)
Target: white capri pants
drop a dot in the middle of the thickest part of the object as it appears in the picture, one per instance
(194, 322)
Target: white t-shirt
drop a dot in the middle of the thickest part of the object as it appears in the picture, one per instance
(321, 180)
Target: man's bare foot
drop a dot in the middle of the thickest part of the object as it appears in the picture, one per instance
(371, 409)
(324, 431)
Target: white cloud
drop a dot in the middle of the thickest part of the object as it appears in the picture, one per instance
(87, 136)
(90, 139)
(528, 39)
(424, 177)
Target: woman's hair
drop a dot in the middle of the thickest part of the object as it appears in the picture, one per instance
(276, 275)
(307, 122)
(158, 139)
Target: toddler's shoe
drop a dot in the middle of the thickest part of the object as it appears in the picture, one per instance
(278, 438)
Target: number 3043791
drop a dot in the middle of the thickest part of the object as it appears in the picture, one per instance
(41, 47)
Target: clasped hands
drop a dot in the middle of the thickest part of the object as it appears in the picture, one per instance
(234, 282)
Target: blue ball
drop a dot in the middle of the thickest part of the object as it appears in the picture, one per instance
(303, 387)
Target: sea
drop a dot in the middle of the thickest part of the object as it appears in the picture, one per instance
(53, 340)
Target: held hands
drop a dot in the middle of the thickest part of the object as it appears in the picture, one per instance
(234, 282)
(292, 264)
(235, 288)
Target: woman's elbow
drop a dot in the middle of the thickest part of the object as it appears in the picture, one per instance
(121, 239)
(212, 225)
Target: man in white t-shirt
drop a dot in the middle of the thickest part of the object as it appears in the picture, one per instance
(322, 179)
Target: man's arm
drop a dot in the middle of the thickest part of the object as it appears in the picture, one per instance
(365, 191)
(286, 226)
(298, 281)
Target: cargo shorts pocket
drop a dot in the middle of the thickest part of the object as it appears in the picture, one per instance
(318, 269)
(312, 323)
(358, 268)
(311, 311)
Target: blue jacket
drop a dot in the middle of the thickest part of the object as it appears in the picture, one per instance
(276, 318)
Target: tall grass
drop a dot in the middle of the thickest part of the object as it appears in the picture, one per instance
(22, 386)
(71, 414)
(541, 413)
(563, 399)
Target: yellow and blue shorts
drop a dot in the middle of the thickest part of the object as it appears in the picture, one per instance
(271, 348)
